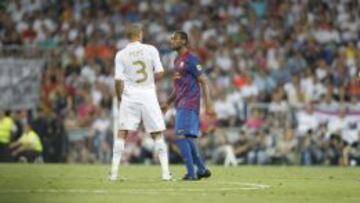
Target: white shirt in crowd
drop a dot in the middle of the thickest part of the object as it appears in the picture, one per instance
(224, 109)
(249, 90)
(347, 126)
(291, 94)
(328, 106)
(280, 106)
(306, 121)
(336, 125)
(101, 124)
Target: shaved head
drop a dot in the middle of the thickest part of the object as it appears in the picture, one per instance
(133, 31)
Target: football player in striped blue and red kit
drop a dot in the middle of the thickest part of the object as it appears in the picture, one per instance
(188, 82)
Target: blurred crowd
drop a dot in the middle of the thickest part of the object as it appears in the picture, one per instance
(285, 75)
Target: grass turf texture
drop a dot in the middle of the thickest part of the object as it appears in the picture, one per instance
(88, 183)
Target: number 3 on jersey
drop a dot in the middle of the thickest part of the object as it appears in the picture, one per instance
(141, 71)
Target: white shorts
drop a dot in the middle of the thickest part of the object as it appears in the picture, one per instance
(133, 110)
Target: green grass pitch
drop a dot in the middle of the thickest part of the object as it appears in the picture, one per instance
(254, 184)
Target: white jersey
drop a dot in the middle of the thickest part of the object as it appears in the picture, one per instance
(136, 65)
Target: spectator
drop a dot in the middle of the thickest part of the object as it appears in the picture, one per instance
(28, 148)
(6, 129)
(307, 122)
(255, 121)
(286, 148)
(100, 137)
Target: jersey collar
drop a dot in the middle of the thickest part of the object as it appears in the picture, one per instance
(133, 43)
(185, 54)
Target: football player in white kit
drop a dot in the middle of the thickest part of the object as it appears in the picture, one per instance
(137, 67)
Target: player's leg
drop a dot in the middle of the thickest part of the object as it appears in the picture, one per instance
(118, 149)
(127, 118)
(154, 124)
(181, 128)
(202, 172)
(185, 150)
(192, 132)
(162, 151)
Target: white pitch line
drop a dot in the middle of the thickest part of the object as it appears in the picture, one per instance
(235, 187)
(255, 185)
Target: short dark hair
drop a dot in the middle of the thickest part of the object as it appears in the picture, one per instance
(183, 35)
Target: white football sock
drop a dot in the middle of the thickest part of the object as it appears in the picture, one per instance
(161, 149)
(119, 145)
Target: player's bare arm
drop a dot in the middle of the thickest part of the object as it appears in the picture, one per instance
(170, 100)
(119, 87)
(158, 76)
(206, 93)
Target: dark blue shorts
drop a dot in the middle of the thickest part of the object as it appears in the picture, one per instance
(187, 123)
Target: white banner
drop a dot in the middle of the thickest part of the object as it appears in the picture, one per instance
(20, 81)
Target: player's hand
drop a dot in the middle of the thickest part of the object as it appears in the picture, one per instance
(164, 107)
(210, 111)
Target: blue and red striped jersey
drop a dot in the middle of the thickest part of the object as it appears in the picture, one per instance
(187, 88)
